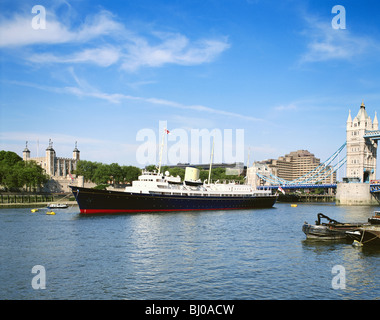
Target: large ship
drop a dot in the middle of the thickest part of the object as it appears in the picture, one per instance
(157, 192)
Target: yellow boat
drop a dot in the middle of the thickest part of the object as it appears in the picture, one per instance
(34, 210)
(294, 205)
(52, 213)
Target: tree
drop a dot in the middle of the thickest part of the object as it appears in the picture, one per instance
(102, 174)
(177, 172)
(86, 169)
(9, 157)
(116, 173)
(151, 168)
(33, 175)
(10, 177)
(130, 173)
(15, 173)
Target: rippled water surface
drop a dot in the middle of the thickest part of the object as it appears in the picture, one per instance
(247, 254)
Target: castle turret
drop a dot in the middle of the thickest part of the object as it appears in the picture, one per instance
(50, 159)
(26, 152)
(76, 152)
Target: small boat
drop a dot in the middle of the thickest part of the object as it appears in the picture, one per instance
(375, 219)
(57, 206)
(366, 235)
(51, 213)
(294, 205)
(34, 210)
(330, 230)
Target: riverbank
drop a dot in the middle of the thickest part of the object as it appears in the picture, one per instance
(37, 205)
(306, 198)
(22, 200)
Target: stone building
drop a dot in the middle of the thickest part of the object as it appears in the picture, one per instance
(361, 147)
(361, 152)
(59, 169)
(53, 165)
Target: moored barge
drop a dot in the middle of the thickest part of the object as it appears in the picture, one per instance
(329, 230)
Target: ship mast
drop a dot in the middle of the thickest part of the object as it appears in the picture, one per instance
(161, 150)
(211, 158)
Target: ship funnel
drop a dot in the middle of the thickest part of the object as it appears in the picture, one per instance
(191, 174)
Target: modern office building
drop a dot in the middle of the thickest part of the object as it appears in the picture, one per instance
(294, 165)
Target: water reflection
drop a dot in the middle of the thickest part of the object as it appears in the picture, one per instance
(360, 275)
(359, 213)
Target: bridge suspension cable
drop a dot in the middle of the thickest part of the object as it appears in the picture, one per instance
(318, 174)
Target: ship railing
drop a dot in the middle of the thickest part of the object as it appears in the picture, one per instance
(224, 181)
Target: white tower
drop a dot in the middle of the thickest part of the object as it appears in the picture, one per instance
(50, 159)
(76, 152)
(26, 152)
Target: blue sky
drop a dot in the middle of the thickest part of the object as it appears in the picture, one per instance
(101, 71)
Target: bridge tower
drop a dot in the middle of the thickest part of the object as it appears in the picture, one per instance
(361, 147)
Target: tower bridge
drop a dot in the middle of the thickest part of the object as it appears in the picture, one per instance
(302, 186)
(359, 153)
(374, 134)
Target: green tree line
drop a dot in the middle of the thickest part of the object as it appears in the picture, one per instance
(101, 173)
(16, 173)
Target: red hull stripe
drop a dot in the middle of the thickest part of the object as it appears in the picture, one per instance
(89, 211)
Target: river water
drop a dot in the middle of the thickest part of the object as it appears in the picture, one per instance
(245, 255)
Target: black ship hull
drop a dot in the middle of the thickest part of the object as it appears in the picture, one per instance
(92, 201)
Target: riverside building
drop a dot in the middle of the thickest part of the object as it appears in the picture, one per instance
(53, 165)
(60, 170)
(292, 166)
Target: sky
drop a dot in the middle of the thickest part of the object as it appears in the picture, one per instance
(275, 75)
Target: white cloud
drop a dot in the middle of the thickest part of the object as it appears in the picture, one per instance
(177, 50)
(103, 23)
(18, 31)
(104, 57)
(112, 43)
(173, 48)
(326, 43)
(288, 107)
(119, 97)
(83, 89)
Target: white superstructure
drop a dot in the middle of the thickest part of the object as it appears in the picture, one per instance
(157, 183)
